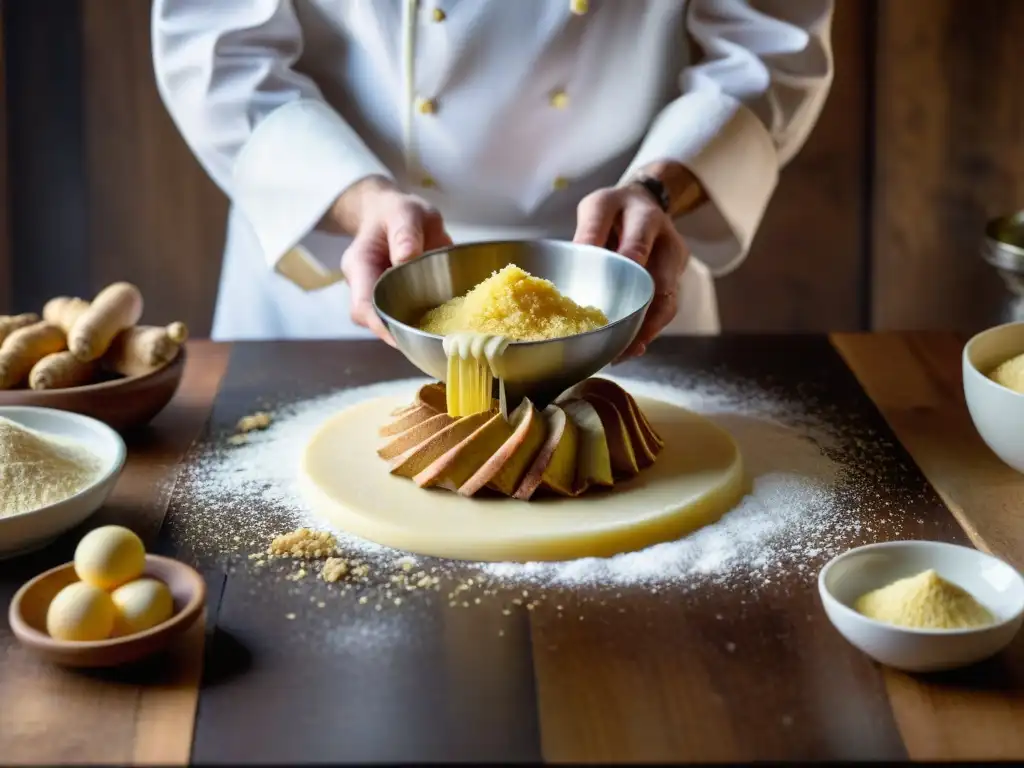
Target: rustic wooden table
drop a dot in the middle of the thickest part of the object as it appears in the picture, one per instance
(649, 681)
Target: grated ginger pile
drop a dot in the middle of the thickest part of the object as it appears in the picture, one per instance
(924, 601)
(1010, 374)
(515, 304)
(37, 470)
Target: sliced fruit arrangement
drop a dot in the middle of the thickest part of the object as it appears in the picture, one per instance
(593, 436)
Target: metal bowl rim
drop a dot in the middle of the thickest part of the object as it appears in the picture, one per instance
(993, 226)
(448, 249)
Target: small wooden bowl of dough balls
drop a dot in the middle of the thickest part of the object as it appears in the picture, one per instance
(112, 605)
(92, 357)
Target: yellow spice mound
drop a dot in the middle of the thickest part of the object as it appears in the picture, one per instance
(515, 304)
(925, 601)
(1010, 374)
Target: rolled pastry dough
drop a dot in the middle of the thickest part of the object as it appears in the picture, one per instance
(697, 478)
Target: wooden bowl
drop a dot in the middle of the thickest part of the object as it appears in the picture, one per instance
(27, 616)
(120, 403)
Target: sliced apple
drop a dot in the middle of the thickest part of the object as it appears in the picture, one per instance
(507, 465)
(407, 420)
(554, 467)
(653, 438)
(413, 436)
(437, 445)
(593, 461)
(626, 407)
(646, 442)
(433, 396)
(619, 446)
(458, 464)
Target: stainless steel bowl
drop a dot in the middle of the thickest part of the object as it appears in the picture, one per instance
(1004, 249)
(540, 370)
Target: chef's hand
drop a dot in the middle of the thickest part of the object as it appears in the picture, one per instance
(627, 220)
(389, 227)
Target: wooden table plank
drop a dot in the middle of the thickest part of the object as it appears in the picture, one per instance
(915, 380)
(696, 676)
(716, 673)
(345, 682)
(710, 674)
(50, 715)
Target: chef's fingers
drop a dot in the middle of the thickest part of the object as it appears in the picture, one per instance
(404, 228)
(668, 260)
(434, 233)
(595, 217)
(362, 263)
(641, 224)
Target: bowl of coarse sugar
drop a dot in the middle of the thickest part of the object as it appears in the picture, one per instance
(56, 469)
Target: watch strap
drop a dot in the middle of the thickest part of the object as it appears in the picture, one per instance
(656, 189)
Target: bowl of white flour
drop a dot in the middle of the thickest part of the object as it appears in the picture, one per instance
(56, 469)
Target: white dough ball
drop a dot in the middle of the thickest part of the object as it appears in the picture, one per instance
(109, 556)
(80, 612)
(141, 604)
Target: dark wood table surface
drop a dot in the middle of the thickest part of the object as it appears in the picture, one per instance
(645, 678)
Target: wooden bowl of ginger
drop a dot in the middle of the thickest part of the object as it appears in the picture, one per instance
(92, 358)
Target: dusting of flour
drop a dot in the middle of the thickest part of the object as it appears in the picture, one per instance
(802, 507)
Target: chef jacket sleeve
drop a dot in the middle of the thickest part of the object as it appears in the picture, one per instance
(746, 108)
(260, 129)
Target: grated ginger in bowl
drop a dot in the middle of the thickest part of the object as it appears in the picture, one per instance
(515, 304)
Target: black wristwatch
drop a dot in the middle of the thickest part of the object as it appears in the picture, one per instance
(656, 190)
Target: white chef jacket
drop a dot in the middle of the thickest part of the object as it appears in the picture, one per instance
(503, 114)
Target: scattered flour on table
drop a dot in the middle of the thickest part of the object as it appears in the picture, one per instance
(37, 470)
(803, 506)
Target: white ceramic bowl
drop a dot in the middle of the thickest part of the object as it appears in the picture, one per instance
(997, 412)
(32, 530)
(993, 583)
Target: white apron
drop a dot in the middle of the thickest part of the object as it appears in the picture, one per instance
(503, 114)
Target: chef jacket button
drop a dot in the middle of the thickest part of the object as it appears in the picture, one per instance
(438, 15)
(560, 183)
(426, 106)
(559, 99)
(579, 7)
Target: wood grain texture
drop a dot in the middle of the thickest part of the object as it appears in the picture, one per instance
(948, 156)
(733, 669)
(398, 686)
(804, 271)
(730, 671)
(48, 206)
(49, 715)
(915, 380)
(156, 218)
(6, 275)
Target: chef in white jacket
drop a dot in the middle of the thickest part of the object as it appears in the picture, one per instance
(353, 134)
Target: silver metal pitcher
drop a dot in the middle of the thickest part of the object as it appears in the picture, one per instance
(1004, 249)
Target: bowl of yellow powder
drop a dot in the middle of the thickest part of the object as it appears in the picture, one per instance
(56, 469)
(567, 310)
(923, 606)
(993, 374)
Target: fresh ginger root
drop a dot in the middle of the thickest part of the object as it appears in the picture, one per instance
(115, 308)
(143, 349)
(63, 311)
(10, 323)
(61, 369)
(24, 348)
